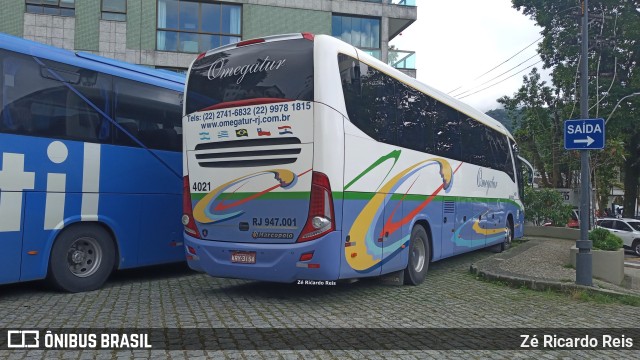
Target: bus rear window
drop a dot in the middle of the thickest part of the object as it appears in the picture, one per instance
(278, 69)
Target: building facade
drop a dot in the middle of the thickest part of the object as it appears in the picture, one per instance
(170, 33)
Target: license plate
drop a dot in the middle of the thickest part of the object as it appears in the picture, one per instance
(243, 257)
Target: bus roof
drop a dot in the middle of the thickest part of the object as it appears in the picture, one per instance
(165, 79)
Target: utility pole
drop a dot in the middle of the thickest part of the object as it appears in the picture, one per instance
(583, 257)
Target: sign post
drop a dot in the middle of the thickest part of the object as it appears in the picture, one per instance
(584, 135)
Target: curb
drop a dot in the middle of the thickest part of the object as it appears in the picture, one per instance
(632, 264)
(541, 285)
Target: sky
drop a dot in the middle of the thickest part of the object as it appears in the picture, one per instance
(456, 41)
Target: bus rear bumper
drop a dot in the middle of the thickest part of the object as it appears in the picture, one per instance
(273, 262)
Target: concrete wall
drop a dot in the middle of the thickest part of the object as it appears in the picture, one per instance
(261, 21)
(58, 31)
(11, 17)
(552, 232)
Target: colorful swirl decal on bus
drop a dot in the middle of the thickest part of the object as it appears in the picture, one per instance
(205, 213)
(488, 235)
(364, 255)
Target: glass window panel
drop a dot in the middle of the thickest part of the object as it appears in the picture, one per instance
(226, 40)
(114, 16)
(375, 33)
(336, 26)
(51, 10)
(167, 40)
(231, 19)
(34, 1)
(67, 3)
(346, 29)
(208, 42)
(50, 2)
(189, 16)
(34, 9)
(356, 31)
(67, 12)
(210, 19)
(188, 42)
(114, 5)
(367, 38)
(168, 14)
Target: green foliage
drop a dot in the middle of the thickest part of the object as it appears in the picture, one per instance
(545, 204)
(604, 240)
(614, 63)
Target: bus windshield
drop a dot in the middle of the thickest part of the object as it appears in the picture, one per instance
(251, 72)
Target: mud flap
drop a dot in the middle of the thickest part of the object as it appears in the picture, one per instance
(394, 278)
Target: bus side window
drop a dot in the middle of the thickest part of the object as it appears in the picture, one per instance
(415, 125)
(149, 114)
(447, 132)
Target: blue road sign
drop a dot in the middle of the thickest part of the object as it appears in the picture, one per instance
(585, 134)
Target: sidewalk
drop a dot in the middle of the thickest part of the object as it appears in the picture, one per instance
(541, 263)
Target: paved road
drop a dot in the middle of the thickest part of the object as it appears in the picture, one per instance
(174, 297)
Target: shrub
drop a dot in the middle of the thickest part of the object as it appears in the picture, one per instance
(604, 240)
(545, 204)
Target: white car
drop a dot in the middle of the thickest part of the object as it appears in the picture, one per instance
(627, 229)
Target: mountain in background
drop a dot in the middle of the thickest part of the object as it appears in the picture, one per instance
(503, 117)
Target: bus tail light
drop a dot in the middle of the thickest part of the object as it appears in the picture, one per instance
(308, 36)
(187, 210)
(320, 220)
(249, 42)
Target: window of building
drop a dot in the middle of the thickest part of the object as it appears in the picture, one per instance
(114, 10)
(52, 7)
(361, 32)
(192, 26)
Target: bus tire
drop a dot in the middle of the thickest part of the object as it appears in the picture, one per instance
(419, 255)
(82, 259)
(508, 238)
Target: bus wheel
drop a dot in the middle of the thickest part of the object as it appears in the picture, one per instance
(508, 239)
(82, 259)
(419, 254)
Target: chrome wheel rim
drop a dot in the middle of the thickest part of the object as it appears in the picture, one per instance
(84, 257)
(508, 239)
(418, 255)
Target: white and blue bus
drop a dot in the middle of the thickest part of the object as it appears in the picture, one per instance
(90, 165)
(307, 159)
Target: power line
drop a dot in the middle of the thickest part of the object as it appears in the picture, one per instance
(490, 80)
(492, 85)
(502, 63)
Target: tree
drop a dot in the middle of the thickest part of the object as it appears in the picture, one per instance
(541, 205)
(614, 57)
(539, 133)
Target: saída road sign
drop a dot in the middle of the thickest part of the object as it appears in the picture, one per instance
(585, 134)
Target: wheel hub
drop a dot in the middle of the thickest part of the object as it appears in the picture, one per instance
(78, 257)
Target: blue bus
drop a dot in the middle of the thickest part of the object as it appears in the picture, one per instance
(90, 166)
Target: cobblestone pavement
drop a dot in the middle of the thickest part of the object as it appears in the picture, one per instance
(174, 297)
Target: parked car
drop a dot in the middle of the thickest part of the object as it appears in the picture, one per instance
(574, 222)
(627, 229)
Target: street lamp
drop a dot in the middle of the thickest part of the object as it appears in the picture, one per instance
(618, 104)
